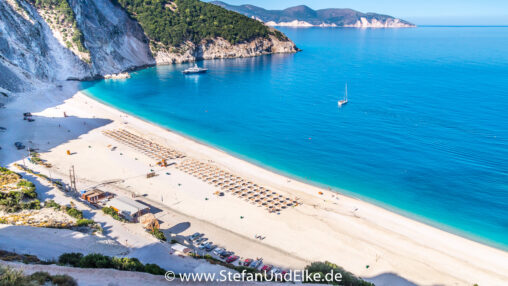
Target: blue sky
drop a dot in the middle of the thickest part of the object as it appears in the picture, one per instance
(422, 12)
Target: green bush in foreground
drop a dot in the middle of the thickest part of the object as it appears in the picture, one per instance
(42, 278)
(9, 276)
(348, 279)
(12, 277)
(96, 260)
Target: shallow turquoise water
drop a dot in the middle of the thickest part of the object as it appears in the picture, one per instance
(425, 132)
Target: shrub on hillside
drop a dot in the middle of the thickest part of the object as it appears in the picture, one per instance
(158, 234)
(71, 259)
(32, 205)
(96, 260)
(154, 269)
(4, 170)
(9, 276)
(29, 193)
(111, 211)
(25, 183)
(63, 280)
(348, 279)
(128, 264)
(44, 278)
(51, 204)
(75, 213)
(84, 222)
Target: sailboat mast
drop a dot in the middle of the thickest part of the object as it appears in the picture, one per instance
(346, 91)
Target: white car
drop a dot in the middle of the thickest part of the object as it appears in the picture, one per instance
(275, 270)
(218, 250)
(203, 245)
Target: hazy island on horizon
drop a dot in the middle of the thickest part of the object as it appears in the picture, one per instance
(304, 16)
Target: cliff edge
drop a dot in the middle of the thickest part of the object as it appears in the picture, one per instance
(46, 41)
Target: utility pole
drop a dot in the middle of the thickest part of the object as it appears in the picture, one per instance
(50, 177)
(72, 179)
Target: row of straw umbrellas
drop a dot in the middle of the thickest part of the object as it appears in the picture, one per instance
(147, 147)
(237, 186)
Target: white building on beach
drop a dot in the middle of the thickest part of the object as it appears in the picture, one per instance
(129, 209)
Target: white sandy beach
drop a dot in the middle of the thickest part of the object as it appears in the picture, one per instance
(370, 242)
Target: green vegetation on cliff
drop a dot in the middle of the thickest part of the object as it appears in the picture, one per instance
(174, 22)
(63, 16)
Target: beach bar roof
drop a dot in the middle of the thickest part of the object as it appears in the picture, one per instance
(128, 208)
(92, 195)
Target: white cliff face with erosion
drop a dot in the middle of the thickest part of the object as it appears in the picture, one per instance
(374, 23)
(221, 49)
(362, 23)
(33, 51)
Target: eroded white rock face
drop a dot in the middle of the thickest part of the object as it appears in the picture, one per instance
(295, 23)
(374, 23)
(29, 53)
(220, 49)
(115, 41)
(362, 23)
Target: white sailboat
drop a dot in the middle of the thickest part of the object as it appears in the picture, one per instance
(344, 100)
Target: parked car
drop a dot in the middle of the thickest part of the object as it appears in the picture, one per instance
(231, 259)
(256, 263)
(274, 271)
(19, 145)
(201, 240)
(266, 268)
(210, 247)
(218, 251)
(247, 262)
(226, 254)
(195, 236)
(203, 245)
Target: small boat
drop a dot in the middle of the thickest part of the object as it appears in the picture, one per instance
(343, 101)
(195, 69)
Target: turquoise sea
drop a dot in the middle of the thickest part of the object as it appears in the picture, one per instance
(425, 132)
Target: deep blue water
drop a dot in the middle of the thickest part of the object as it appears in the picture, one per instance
(425, 132)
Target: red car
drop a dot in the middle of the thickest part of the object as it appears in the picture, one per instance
(266, 268)
(232, 258)
(247, 262)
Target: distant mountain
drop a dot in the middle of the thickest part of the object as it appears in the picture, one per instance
(303, 16)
